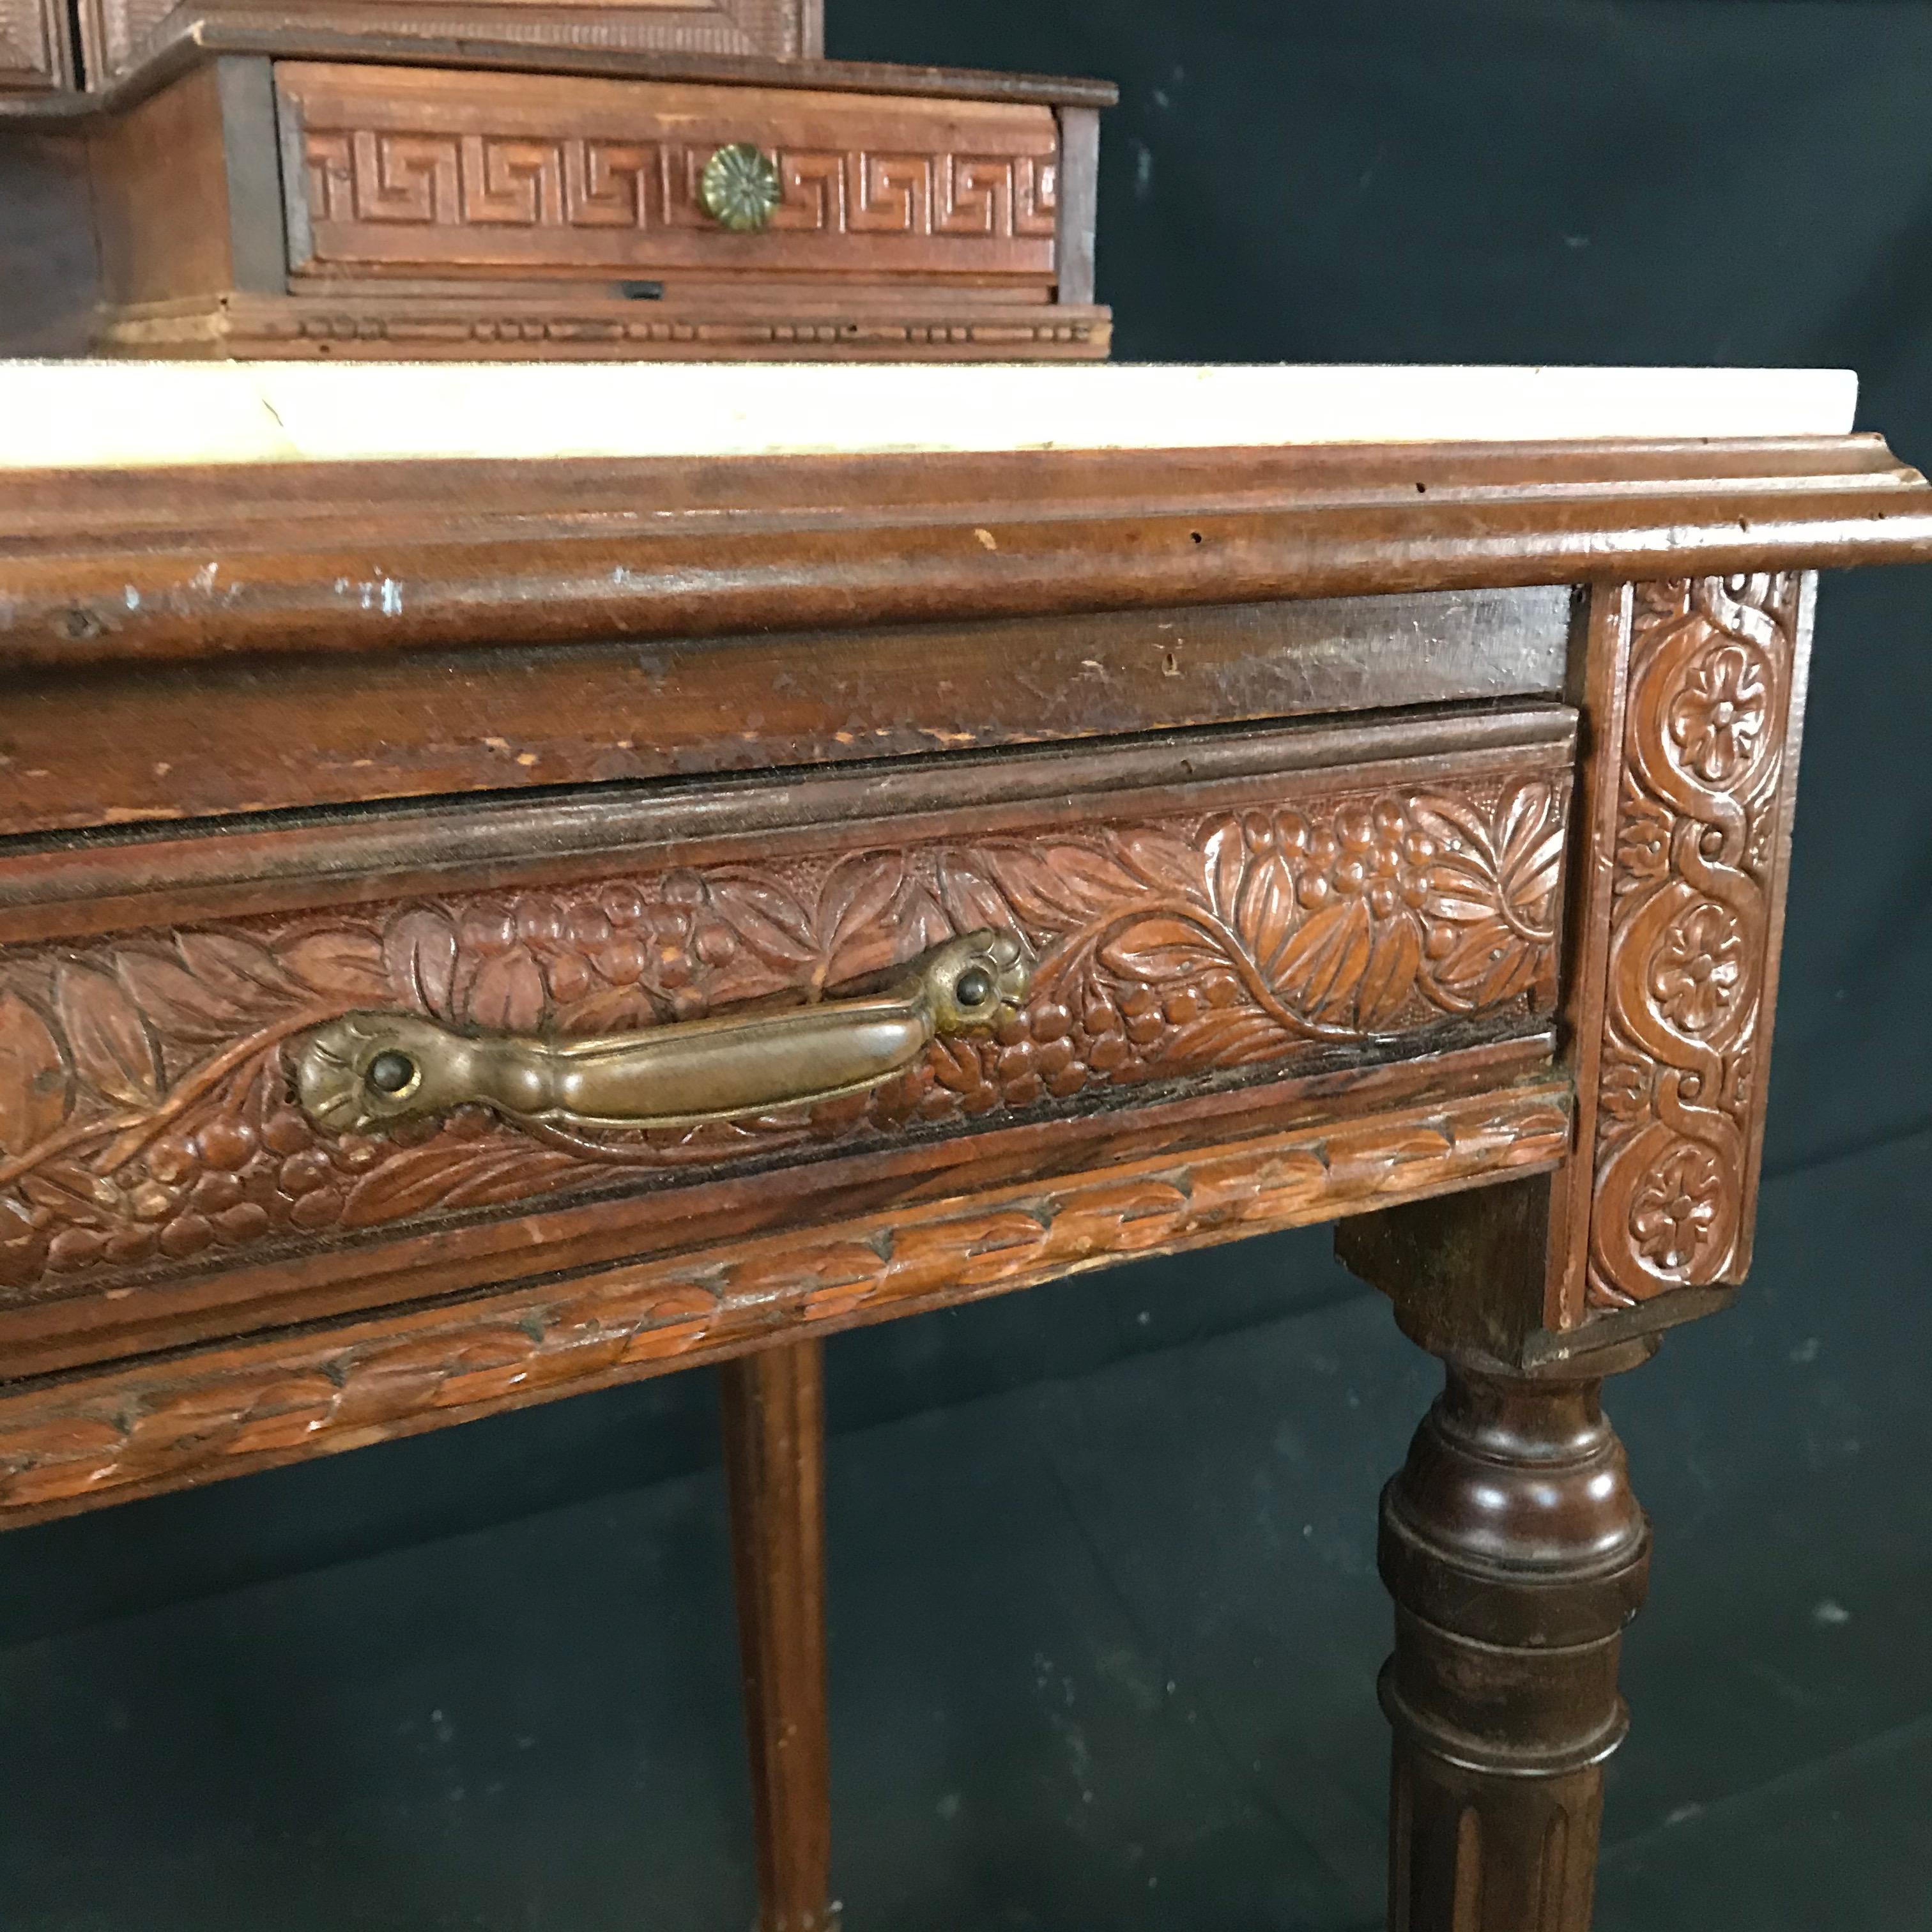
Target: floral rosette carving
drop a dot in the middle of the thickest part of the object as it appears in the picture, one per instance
(146, 1120)
(1707, 702)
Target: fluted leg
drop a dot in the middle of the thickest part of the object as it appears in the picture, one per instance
(1516, 1553)
(775, 1470)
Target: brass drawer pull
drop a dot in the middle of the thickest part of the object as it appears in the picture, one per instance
(366, 1070)
(739, 189)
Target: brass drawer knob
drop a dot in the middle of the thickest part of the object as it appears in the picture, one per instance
(739, 189)
(366, 1071)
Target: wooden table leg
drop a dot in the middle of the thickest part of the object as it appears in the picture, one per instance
(1516, 1553)
(774, 1414)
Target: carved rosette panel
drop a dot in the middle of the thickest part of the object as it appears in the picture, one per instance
(144, 1111)
(1699, 838)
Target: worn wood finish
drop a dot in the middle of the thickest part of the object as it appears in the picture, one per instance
(117, 35)
(1516, 1553)
(485, 720)
(774, 1417)
(99, 568)
(1478, 958)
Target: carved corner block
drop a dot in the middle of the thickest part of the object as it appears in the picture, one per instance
(1712, 704)
(1692, 698)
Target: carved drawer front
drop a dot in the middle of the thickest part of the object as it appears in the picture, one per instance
(403, 172)
(1205, 912)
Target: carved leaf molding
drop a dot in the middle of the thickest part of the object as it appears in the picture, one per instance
(146, 1119)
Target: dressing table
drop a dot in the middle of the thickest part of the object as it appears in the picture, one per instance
(516, 878)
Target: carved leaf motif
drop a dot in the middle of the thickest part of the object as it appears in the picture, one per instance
(242, 970)
(419, 957)
(418, 1179)
(1264, 913)
(1160, 948)
(1388, 982)
(346, 965)
(1323, 966)
(1224, 856)
(851, 903)
(971, 901)
(35, 1088)
(1165, 864)
(508, 994)
(767, 919)
(1057, 887)
(112, 1050)
(1224, 1036)
(207, 991)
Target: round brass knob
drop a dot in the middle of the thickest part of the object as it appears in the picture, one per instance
(739, 189)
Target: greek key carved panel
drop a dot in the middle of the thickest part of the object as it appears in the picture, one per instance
(1700, 836)
(460, 172)
(146, 1118)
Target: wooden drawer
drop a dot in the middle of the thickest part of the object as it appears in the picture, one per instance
(1214, 923)
(416, 172)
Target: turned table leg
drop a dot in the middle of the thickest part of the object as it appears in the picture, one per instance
(1516, 1553)
(774, 1413)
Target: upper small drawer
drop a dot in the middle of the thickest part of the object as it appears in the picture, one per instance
(412, 171)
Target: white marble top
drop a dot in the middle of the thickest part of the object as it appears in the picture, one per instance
(100, 415)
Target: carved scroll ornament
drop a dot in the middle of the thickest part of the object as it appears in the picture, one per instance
(146, 1116)
(1699, 840)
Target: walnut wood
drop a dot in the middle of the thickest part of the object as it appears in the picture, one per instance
(1277, 908)
(476, 556)
(418, 171)
(1516, 1553)
(123, 744)
(183, 1416)
(774, 1417)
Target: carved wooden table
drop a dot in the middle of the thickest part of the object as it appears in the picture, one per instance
(474, 929)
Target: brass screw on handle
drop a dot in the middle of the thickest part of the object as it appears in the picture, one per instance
(739, 189)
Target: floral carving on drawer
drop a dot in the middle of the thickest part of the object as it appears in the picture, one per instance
(146, 1115)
